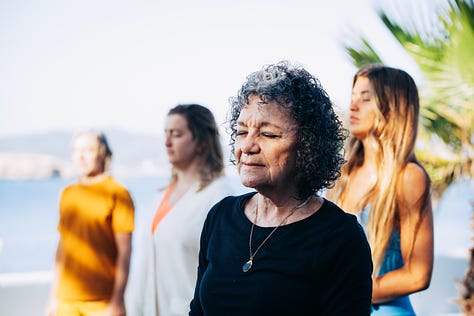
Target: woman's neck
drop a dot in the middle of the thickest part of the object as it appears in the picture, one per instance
(190, 174)
(183, 181)
(91, 179)
(370, 160)
(271, 211)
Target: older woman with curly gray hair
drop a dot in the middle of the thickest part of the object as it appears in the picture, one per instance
(282, 249)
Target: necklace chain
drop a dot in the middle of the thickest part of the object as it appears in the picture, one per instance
(269, 235)
(246, 267)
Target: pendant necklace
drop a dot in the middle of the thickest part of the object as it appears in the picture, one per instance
(248, 265)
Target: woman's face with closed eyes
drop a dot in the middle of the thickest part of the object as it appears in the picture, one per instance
(362, 108)
(265, 145)
(180, 144)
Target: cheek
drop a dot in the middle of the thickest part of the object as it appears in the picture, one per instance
(237, 151)
(283, 162)
(75, 157)
(369, 121)
(370, 114)
(286, 161)
(190, 148)
(184, 144)
(92, 158)
(183, 149)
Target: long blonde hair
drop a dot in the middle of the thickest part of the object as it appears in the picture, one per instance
(392, 138)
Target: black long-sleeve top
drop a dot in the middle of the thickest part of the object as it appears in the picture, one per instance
(320, 265)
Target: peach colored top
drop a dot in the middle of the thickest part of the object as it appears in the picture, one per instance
(163, 209)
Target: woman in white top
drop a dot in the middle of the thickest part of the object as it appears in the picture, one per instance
(166, 274)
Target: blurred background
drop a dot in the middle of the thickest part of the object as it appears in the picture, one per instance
(119, 66)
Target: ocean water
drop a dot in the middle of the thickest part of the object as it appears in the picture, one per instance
(29, 217)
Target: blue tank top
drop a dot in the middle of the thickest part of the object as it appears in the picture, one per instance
(392, 260)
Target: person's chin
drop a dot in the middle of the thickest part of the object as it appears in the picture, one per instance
(250, 182)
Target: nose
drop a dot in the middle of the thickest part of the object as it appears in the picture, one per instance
(249, 145)
(354, 105)
(167, 140)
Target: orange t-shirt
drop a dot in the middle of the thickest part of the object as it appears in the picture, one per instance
(163, 209)
(90, 216)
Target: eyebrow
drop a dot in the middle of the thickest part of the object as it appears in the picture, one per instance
(361, 92)
(262, 124)
(174, 129)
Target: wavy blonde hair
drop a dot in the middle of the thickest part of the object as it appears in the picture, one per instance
(392, 137)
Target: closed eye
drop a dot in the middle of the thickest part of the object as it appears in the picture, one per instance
(269, 135)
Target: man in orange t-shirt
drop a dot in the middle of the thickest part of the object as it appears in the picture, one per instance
(96, 224)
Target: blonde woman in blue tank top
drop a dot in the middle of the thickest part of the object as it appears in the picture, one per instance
(386, 187)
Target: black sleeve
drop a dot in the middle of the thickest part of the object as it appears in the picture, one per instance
(349, 282)
(195, 305)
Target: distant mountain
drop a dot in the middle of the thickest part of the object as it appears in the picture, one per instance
(49, 154)
(128, 148)
(54, 143)
(133, 153)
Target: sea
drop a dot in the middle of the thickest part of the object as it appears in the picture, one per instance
(29, 217)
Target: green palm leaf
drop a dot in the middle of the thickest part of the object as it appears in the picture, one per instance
(444, 52)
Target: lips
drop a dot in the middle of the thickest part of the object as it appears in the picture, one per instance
(251, 164)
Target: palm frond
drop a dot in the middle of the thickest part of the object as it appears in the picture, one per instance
(442, 48)
(362, 55)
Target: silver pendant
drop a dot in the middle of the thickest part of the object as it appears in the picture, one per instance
(246, 267)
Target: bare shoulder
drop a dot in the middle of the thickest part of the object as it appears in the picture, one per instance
(415, 183)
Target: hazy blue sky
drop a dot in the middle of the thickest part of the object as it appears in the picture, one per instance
(111, 63)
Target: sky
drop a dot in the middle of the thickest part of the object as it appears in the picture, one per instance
(71, 65)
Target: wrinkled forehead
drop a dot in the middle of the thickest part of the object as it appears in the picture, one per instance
(257, 112)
